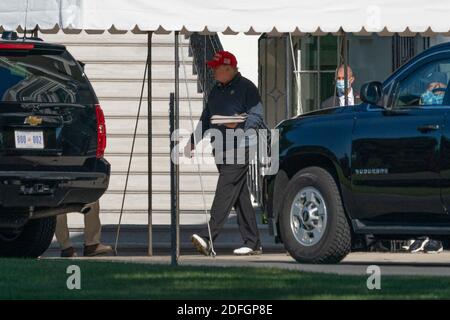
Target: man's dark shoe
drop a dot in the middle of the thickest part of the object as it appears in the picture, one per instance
(96, 250)
(433, 246)
(378, 246)
(68, 253)
(200, 244)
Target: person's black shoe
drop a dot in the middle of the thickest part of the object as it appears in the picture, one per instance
(68, 253)
(418, 245)
(378, 246)
(433, 246)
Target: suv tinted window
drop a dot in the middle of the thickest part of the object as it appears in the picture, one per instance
(43, 78)
(425, 86)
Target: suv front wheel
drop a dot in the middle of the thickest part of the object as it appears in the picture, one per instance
(313, 225)
(31, 241)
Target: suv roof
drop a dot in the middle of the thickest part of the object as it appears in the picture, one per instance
(442, 47)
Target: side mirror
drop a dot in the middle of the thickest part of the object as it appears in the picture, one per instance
(371, 92)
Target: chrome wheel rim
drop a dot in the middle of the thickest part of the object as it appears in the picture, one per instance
(308, 216)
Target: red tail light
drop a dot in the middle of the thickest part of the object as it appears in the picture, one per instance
(16, 46)
(101, 131)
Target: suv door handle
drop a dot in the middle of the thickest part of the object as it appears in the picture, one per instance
(428, 127)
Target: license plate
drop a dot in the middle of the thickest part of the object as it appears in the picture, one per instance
(29, 139)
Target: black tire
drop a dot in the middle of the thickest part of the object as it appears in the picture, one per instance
(32, 241)
(335, 242)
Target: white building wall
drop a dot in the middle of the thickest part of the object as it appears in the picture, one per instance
(245, 48)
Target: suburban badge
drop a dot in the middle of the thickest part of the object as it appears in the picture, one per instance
(372, 171)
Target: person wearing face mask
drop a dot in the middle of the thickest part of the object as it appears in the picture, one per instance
(434, 95)
(339, 98)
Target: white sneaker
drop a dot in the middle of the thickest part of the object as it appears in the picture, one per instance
(200, 244)
(408, 245)
(246, 251)
(418, 245)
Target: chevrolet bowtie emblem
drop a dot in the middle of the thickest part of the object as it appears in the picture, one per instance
(33, 120)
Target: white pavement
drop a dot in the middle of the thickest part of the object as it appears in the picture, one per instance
(405, 264)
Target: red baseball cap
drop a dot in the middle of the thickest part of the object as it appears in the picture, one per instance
(222, 58)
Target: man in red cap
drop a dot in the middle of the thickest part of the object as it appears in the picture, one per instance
(232, 95)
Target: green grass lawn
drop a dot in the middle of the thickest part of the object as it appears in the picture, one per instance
(46, 279)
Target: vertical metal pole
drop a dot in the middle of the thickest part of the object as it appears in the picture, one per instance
(177, 127)
(299, 82)
(149, 139)
(175, 177)
(288, 77)
(345, 69)
(173, 200)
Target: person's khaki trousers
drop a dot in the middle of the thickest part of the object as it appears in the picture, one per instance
(92, 228)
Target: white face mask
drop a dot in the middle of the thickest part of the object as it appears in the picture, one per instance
(340, 87)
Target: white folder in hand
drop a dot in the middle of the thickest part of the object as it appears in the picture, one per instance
(219, 119)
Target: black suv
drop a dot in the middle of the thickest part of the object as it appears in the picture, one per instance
(52, 142)
(381, 167)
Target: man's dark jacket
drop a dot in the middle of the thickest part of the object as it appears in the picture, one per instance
(238, 96)
(333, 101)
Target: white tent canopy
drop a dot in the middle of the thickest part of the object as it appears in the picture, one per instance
(231, 16)
(15, 14)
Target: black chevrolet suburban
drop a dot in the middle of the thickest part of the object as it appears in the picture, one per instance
(52, 143)
(379, 168)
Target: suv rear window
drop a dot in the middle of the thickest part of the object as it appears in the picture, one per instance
(52, 78)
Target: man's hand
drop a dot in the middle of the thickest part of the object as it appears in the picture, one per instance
(188, 150)
(231, 125)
